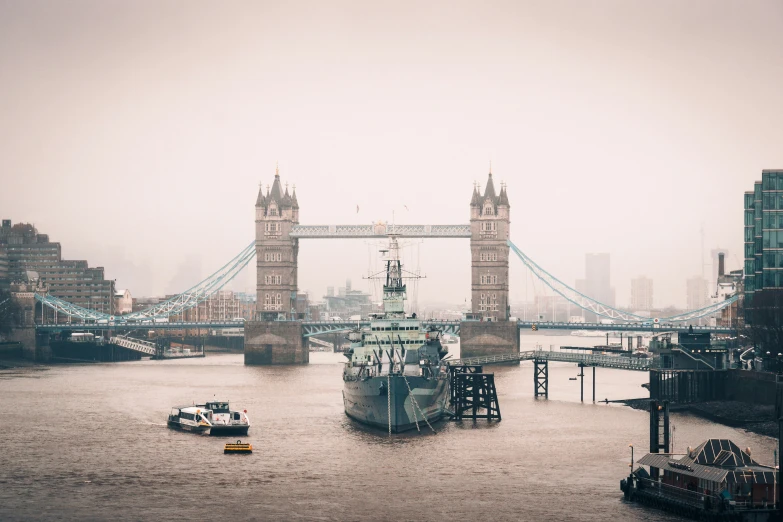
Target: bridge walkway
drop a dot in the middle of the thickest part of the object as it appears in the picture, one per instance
(585, 359)
(137, 345)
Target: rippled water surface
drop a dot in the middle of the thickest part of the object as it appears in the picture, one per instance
(91, 442)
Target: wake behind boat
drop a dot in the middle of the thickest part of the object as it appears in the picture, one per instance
(395, 378)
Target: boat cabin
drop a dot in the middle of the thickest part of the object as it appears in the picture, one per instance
(217, 407)
(194, 414)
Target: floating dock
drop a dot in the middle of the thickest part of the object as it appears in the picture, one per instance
(716, 481)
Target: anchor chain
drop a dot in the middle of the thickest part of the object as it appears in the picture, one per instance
(416, 407)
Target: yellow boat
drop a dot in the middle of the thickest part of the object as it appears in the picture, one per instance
(238, 447)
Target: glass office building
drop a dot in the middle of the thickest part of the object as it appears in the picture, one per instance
(763, 237)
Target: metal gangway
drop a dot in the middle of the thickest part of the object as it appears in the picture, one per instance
(137, 345)
(585, 359)
(319, 342)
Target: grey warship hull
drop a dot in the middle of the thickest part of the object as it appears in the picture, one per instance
(372, 400)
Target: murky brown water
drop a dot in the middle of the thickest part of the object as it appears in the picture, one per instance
(90, 442)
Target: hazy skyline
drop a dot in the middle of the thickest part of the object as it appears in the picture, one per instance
(136, 133)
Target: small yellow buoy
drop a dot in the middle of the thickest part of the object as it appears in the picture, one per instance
(238, 447)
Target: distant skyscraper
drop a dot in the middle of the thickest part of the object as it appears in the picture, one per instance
(596, 284)
(696, 293)
(641, 294)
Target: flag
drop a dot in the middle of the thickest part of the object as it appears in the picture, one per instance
(357, 209)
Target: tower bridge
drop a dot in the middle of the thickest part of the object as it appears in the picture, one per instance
(277, 335)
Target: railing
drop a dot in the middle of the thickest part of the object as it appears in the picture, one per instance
(379, 230)
(693, 498)
(137, 345)
(604, 361)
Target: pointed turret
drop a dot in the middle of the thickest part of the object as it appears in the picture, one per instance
(286, 201)
(503, 198)
(294, 202)
(261, 200)
(476, 199)
(489, 192)
(276, 193)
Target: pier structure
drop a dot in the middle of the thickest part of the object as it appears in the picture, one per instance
(714, 481)
(541, 359)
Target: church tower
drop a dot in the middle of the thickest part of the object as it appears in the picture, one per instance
(276, 252)
(489, 231)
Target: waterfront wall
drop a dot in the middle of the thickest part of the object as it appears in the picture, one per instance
(11, 350)
(713, 385)
(33, 348)
(478, 338)
(275, 342)
(683, 386)
(64, 351)
(750, 386)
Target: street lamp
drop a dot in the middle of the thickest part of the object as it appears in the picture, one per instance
(631, 464)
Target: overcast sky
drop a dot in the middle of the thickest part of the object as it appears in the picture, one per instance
(136, 133)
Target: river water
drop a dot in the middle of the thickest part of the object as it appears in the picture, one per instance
(90, 442)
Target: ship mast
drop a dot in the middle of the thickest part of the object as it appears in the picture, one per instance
(394, 289)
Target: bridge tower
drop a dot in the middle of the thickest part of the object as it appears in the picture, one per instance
(276, 252)
(489, 230)
(267, 340)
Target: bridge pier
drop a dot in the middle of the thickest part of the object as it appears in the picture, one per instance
(275, 342)
(482, 338)
(541, 378)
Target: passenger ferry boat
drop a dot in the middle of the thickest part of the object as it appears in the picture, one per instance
(395, 377)
(190, 418)
(214, 416)
(225, 421)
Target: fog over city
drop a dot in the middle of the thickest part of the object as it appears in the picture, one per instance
(136, 134)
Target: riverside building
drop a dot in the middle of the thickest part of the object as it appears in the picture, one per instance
(28, 251)
(4, 281)
(763, 237)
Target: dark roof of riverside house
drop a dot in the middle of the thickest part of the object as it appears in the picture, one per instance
(716, 460)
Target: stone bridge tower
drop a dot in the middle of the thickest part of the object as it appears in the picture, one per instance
(267, 340)
(276, 252)
(489, 231)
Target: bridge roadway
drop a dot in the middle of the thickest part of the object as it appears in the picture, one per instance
(450, 327)
(146, 325)
(586, 359)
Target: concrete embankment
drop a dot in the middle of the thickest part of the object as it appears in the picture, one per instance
(12, 356)
(756, 418)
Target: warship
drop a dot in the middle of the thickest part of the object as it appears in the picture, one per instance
(395, 377)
